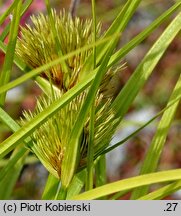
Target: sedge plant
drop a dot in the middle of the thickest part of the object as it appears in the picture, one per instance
(75, 118)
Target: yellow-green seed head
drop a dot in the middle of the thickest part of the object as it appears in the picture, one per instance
(36, 47)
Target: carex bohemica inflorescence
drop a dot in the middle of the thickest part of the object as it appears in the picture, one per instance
(36, 46)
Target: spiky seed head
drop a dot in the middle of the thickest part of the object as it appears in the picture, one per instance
(50, 140)
(36, 47)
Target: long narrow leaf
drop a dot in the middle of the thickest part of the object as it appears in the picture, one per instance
(117, 26)
(8, 182)
(10, 173)
(8, 169)
(8, 11)
(8, 62)
(139, 129)
(45, 67)
(76, 184)
(145, 33)
(72, 151)
(130, 183)
(90, 153)
(162, 192)
(5, 32)
(51, 187)
(154, 152)
(122, 103)
(114, 59)
(15, 139)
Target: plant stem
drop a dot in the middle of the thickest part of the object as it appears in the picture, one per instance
(101, 172)
(94, 31)
(8, 62)
(61, 193)
(90, 163)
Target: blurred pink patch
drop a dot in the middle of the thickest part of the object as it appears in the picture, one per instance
(5, 6)
(36, 7)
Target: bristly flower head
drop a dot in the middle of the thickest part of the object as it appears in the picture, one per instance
(36, 47)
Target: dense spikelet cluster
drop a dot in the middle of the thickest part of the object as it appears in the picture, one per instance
(37, 46)
(51, 138)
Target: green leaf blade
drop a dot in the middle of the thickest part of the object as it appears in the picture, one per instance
(129, 184)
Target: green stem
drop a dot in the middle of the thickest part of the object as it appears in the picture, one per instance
(94, 31)
(61, 193)
(90, 163)
(51, 188)
(101, 172)
(8, 62)
(23, 10)
(8, 11)
(118, 195)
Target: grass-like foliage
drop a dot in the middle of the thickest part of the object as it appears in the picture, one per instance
(75, 64)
